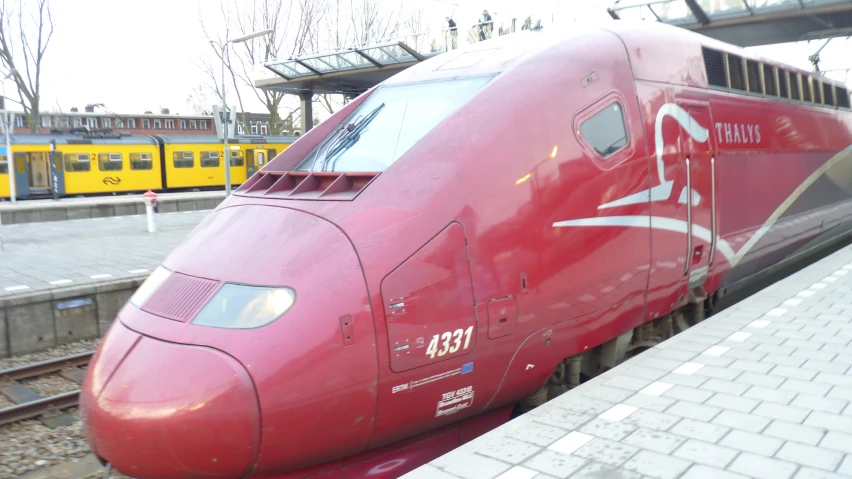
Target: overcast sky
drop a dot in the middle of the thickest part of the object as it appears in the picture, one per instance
(142, 55)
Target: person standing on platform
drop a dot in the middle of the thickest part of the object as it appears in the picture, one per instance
(485, 25)
(454, 34)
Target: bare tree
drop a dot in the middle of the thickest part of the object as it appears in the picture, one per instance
(24, 61)
(200, 100)
(372, 21)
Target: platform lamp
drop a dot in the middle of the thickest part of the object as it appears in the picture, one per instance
(225, 121)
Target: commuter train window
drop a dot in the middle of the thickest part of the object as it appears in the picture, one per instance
(605, 131)
(4, 165)
(183, 159)
(389, 122)
(210, 159)
(109, 161)
(237, 158)
(78, 162)
(141, 161)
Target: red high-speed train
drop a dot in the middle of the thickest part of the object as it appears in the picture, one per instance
(464, 241)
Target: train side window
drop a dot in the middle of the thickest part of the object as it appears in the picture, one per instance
(109, 162)
(237, 158)
(209, 159)
(141, 161)
(605, 131)
(183, 159)
(4, 165)
(78, 162)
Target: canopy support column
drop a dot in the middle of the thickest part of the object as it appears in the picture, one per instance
(307, 110)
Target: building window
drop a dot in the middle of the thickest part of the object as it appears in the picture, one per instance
(183, 159)
(209, 159)
(106, 122)
(192, 124)
(203, 124)
(77, 162)
(156, 124)
(109, 161)
(19, 121)
(605, 130)
(92, 122)
(119, 123)
(63, 122)
(183, 124)
(264, 128)
(253, 127)
(240, 129)
(141, 161)
(170, 124)
(146, 123)
(131, 123)
(78, 122)
(45, 122)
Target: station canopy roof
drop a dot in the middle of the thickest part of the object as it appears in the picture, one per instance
(746, 22)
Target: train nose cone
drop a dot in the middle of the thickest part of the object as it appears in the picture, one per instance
(169, 410)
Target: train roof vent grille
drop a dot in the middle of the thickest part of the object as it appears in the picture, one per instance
(714, 63)
(842, 97)
(828, 93)
(769, 80)
(795, 91)
(753, 69)
(817, 91)
(784, 91)
(306, 185)
(735, 69)
(806, 88)
(180, 297)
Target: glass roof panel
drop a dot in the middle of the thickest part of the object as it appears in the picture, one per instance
(678, 12)
(318, 64)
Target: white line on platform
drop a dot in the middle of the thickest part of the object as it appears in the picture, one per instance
(571, 442)
(818, 285)
(776, 312)
(656, 388)
(137, 271)
(716, 351)
(792, 302)
(618, 412)
(759, 323)
(17, 288)
(60, 281)
(100, 276)
(688, 369)
(518, 472)
(840, 272)
(739, 336)
(805, 294)
(829, 279)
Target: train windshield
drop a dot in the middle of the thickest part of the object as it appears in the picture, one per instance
(388, 123)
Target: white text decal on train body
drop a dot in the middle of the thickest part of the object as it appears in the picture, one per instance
(738, 133)
(454, 401)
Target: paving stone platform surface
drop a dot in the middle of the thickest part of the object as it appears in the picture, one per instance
(759, 390)
(42, 256)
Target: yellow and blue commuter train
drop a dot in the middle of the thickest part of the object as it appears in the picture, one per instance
(89, 165)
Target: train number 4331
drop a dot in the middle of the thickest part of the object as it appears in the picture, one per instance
(449, 342)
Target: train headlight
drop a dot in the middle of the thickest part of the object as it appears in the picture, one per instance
(237, 306)
(150, 285)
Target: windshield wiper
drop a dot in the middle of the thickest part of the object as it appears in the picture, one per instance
(351, 135)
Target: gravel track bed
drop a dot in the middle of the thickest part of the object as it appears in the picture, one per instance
(4, 403)
(29, 445)
(57, 352)
(50, 385)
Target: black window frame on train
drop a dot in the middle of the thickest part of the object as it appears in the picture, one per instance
(239, 160)
(604, 122)
(733, 73)
(207, 162)
(112, 163)
(75, 158)
(139, 160)
(175, 159)
(4, 165)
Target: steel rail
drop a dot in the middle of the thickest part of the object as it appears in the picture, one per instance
(46, 367)
(36, 408)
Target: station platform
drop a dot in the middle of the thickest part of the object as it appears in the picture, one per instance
(38, 211)
(65, 281)
(761, 389)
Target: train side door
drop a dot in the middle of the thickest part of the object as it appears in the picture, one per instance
(700, 182)
(251, 168)
(22, 175)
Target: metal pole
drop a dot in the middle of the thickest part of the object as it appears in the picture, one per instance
(10, 164)
(225, 126)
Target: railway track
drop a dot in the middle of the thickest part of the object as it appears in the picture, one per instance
(29, 403)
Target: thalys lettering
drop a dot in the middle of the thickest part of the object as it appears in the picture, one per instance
(738, 133)
(455, 336)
